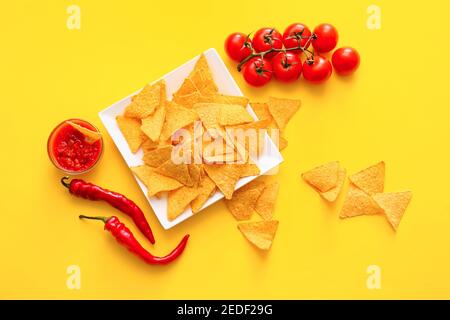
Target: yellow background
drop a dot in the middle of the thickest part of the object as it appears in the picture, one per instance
(396, 109)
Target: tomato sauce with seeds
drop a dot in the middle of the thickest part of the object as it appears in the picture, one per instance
(70, 149)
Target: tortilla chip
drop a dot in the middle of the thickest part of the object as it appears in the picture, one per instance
(177, 117)
(90, 136)
(155, 182)
(266, 202)
(282, 110)
(332, 194)
(145, 102)
(249, 169)
(152, 125)
(224, 176)
(195, 173)
(209, 114)
(394, 205)
(242, 205)
(186, 88)
(370, 180)
(148, 145)
(158, 156)
(221, 98)
(131, 130)
(282, 143)
(260, 233)
(233, 114)
(178, 201)
(178, 172)
(261, 110)
(205, 190)
(188, 100)
(359, 203)
(202, 78)
(324, 177)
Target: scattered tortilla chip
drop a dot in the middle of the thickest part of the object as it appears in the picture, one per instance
(266, 202)
(261, 110)
(359, 203)
(260, 233)
(149, 145)
(178, 201)
(221, 98)
(224, 176)
(282, 110)
(394, 205)
(282, 143)
(155, 182)
(370, 180)
(249, 169)
(145, 102)
(242, 205)
(209, 114)
(195, 172)
(131, 130)
(233, 114)
(89, 135)
(202, 78)
(332, 194)
(188, 100)
(178, 172)
(324, 177)
(158, 156)
(152, 125)
(177, 117)
(205, 190)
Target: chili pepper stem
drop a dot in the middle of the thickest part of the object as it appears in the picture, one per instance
(104, 219)
(64, 182)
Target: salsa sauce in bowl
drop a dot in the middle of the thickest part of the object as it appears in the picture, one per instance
(72, 151)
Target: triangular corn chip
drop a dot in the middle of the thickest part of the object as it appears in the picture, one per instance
(208, 114)
(148, 145)
(206, 189)
(176, 117)
(155, 182)
(233, 114)
(178, 172)
(152, 125)
(158, 156)
(224, 176)
(89, 135)
(261, 110)
(332, 194)
(266, 202)
(282, 143)
(244, 200)
(394, 205)
(178, 201)
(195, 172)
(282, 110)
(324, 177)
(131, 130)
(359, 203)
(221, 98)
(370, 180)
(249, 169)
(260, 233)
(202, 78)
(145, 102)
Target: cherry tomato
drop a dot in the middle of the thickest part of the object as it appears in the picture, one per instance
(267, 38)
(317, 71)
(295, 34)
(345, 60)
(257, 71)
(327, 38)
(287, 66)
(237, 46)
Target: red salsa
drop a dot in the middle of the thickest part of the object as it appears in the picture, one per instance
(70, 149)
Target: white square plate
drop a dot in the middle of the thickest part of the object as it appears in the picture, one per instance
(226, 84)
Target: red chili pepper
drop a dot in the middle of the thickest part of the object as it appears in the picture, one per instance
(93, 192)
(124, 236)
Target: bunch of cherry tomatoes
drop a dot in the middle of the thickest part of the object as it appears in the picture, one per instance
(270, 53)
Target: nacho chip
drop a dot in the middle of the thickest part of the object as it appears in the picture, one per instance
(249, 169)
(233, 114)
(394, 205)
(209, 114)
(131, 130)
(179, 172)
(242, 205)
(155, 182)
(370, 180)
(359, 203)
(202, 78)
(158, 156)
(188, 100)
(261, 110)
(195, 173)
(224, 99)
(205, 190)
(89, 135)
(324, 177)
(260, 233)
(152, 125)
(282, 110)
(332, 194)
(282, 143)
(224, 176)
(145, 102)
(178, 201)
(148, 145)
(177, 117)
(266, 202)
